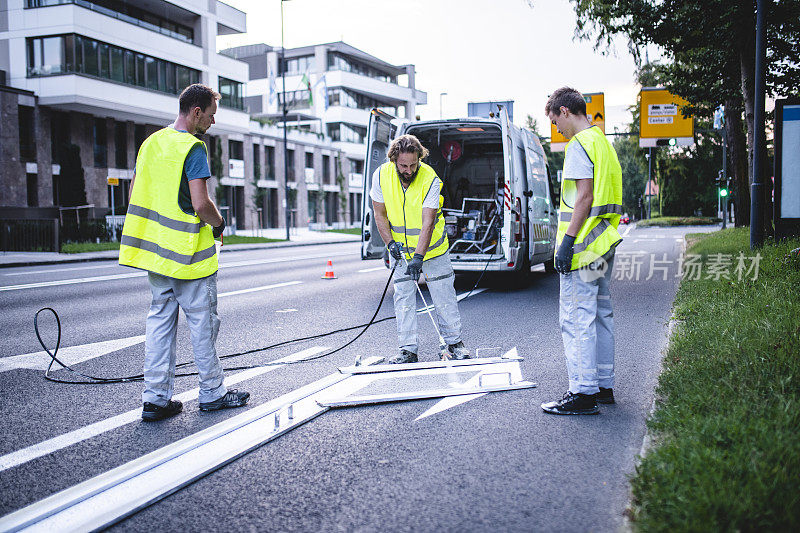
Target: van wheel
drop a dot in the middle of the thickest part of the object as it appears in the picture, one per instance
(521, 278)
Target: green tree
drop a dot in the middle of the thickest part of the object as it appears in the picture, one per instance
(710, 50)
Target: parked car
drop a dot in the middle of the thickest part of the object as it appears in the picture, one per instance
(625, 219)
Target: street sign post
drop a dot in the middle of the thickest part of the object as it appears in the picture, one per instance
(595, 111)
(787, 168)
(661, 119)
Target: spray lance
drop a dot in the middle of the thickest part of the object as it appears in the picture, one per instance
(443, 351)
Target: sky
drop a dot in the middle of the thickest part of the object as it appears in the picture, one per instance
(473, 50)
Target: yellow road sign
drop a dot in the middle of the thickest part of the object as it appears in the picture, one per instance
(595, 111)
(112, 181)
(660, 118)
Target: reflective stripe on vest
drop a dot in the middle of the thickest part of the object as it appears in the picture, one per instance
(598, 234)
(404, 210)
(158, 236)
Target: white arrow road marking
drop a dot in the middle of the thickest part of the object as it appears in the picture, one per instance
(69, 356)
(453, 401)
(54, 444)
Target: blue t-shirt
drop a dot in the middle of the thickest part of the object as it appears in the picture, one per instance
(194, 167)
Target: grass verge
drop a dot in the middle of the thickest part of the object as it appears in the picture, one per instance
(677, 221)
(349, 231)
(727, 453)
(81, 247)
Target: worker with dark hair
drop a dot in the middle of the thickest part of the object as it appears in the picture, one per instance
(169, 231)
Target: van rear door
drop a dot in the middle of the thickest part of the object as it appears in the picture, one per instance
(541, 212)
(379, 133)
(508, 199)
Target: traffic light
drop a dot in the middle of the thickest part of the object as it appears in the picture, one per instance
(723, 192)
(666, 142)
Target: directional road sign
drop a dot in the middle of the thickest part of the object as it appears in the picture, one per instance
(595, 111)
(661, 119)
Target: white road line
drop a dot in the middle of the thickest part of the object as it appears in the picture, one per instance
(142, 274)
(627, 230)
(264, 288)
(372, 269)
(60, 270)
(71, 355)
(292, 310)
(10, 460)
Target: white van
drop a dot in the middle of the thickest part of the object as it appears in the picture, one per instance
(499, 207)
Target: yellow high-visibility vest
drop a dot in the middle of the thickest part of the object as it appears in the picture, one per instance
(598, 234)
(158, 236)
(404, 210)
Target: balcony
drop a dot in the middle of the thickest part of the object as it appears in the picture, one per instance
(375, 88)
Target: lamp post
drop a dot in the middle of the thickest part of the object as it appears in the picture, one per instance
(282, 66)
(440, 103)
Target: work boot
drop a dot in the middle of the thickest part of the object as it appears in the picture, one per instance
(152, 412)
(458, 351)
(403, 357)
(232, 399)
(605, 395)
(573, 404)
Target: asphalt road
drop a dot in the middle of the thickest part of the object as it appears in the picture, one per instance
(495, 463)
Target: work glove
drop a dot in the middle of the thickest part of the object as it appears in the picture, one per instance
(395, 249)
(415, 267)
(217, 232)
(563, 259)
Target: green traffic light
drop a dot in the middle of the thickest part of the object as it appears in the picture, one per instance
(723, 192)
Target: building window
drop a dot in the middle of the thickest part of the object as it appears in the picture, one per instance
(347, 98)
(310, 160)
(298, 65)
(339, 131)
(348, 64)
(235, 150)
(300, 99)
(121, 145)
(100, 144)
(27, 134)
(231, 92)
(257, 161)
(76, 54)
(33, 190)
(123, 10)
(139, 135)
(290, 165)
(269, 152)
(356, 167)
(326, 169)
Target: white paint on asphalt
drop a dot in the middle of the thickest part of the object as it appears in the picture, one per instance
(372, 269)
(291, 310)
(54, 270)
(627, 230)
(69, 356)
(264, 288)
(10, 460)
(458, 299)
(139, 274)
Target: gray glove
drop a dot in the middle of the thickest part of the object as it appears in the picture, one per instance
(395, 249)
(563, 258)
(218, 230)
(415, 267)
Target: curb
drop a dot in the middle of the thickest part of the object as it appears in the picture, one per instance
(238, 248)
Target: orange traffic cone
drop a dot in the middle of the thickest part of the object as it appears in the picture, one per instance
(329, 271)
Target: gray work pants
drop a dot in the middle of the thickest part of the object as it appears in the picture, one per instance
(439, 276)
(198, 299)
(587, 328)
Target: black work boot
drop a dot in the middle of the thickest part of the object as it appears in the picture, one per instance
(605, 396)
(152, 412)
(232, 399)
(458, 351)
(573, 404)
(403, 357)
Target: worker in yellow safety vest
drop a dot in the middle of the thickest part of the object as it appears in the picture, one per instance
(407, 203)
(591, 207)
(169, 231)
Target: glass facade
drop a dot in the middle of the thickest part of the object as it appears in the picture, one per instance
(339, 131)
(298, 65)
(76, 54)
(231, 92)
(355, 100)
(124, 11)
(296, 99)
(340, 62)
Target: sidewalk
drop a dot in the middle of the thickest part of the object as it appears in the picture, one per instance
(298, 237)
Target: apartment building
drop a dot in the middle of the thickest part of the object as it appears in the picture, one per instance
(83, 83)
(330, 89)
